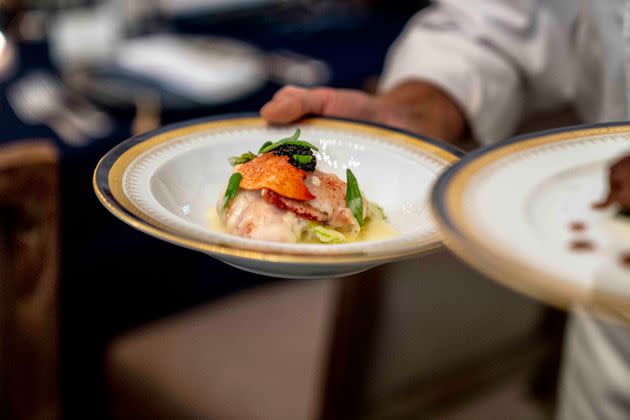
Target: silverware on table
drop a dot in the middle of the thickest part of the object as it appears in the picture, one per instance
(40, 97)
(146, 101)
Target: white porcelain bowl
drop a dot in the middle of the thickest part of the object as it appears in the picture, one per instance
(167, 182)
(509, 211)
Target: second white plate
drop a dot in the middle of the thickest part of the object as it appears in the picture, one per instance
(522, 211)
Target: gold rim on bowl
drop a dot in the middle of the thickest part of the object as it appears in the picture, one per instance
(469, 243)
(108, 185)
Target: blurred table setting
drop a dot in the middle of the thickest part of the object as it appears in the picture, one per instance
(86, 75)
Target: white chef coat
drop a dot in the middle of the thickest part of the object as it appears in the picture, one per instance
(502, 59)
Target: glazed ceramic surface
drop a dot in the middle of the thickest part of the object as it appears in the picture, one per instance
(167, 183)
(522, 212)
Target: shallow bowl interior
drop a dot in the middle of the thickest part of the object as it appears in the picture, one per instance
(178, 182)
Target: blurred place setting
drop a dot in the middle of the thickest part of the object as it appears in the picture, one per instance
(100, 320)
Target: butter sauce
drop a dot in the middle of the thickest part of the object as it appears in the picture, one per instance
(214, 222)
(374, 229)
(377, 230)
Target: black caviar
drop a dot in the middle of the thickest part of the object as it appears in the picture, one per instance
(302, 152)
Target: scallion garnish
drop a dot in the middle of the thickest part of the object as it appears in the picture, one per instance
(239, 160)
(326, 235)
(265, 144)
(302, 159)
(293, 140)
(232, 188)
(354, 200)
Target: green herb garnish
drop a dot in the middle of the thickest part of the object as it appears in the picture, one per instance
(265, 144)
(293, 140)
(239, 160)
(232, 188)
(303, 159)
(326, 235)
(353, 197)
(376, 212)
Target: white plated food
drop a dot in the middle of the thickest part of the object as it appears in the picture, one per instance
(522, 212)
(166, 183)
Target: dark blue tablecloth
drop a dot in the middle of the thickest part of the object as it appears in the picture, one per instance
(114, 278)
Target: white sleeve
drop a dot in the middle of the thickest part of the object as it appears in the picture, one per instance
(492, 56)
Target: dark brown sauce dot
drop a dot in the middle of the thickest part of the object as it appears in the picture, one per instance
(582, 245)
(577, 226)
(625, 260)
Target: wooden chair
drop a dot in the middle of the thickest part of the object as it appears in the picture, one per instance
(29, 251)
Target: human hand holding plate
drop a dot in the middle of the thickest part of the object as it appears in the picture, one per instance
(415, 106)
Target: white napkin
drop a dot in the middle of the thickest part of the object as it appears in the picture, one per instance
(87, 35)
(214, 71)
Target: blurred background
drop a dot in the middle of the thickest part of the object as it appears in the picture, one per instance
(100, 321)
